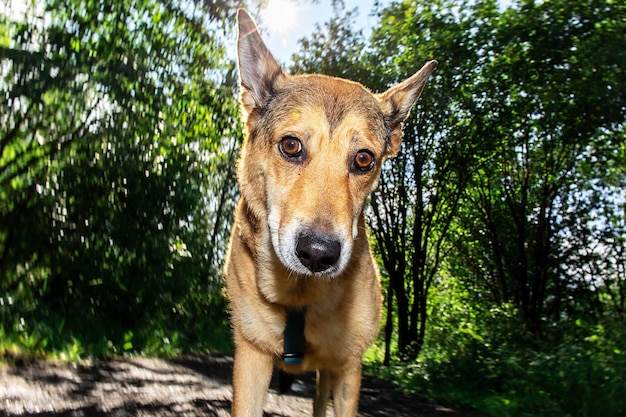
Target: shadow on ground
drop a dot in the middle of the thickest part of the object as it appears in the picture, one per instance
(197, 385)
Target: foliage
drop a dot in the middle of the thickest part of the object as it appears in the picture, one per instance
(116, 173)
(551, 108)
(483, 359)
(334, 49)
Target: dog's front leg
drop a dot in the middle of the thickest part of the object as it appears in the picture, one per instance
(252, 372)
(345, 387)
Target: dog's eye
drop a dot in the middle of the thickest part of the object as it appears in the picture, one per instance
(290, 147)
(364, 161)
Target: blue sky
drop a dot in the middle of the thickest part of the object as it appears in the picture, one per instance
(283, 45)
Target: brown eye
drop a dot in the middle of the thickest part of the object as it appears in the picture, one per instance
(363, 161)
(290, 147)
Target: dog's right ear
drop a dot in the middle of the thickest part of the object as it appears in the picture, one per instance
(258, 70)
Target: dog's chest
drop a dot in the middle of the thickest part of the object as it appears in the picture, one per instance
(327, 345)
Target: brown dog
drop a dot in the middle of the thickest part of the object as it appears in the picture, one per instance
(303, 287)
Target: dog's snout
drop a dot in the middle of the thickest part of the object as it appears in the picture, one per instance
(318, 252)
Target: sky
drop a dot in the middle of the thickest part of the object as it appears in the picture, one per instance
(282, 32)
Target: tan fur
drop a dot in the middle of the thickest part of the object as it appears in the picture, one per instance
(284, 198)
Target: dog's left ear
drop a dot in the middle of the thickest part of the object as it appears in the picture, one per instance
(396, 103)
(258, 70)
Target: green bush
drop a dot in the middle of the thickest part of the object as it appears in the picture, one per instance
(501, 372)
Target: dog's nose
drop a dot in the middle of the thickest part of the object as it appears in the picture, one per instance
(317, 252)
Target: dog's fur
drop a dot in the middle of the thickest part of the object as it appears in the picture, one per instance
(312, 154)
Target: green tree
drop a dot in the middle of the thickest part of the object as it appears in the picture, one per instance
(552, 87)
(419, 193)
(115, 169)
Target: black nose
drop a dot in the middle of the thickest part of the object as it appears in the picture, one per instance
(317, 252)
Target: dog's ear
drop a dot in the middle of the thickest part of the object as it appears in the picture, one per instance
(258, 70)
(396, 103)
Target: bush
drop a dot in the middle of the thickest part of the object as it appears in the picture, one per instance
(501, 373)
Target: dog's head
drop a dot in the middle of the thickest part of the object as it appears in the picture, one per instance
(313, 153)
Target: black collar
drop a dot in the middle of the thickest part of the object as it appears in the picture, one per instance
(294, 337)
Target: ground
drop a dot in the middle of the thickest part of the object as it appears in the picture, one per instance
(190, 386)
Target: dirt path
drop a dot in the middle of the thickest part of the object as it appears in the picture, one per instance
(190, 386)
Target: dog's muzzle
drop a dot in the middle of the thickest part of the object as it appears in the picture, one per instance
(318, 252)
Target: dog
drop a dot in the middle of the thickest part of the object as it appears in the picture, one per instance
(303, 287)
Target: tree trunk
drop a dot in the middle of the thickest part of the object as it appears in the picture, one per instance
(388, 327)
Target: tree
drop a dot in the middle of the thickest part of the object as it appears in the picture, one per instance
(116, 193)
(556, 102)
(419, 193)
